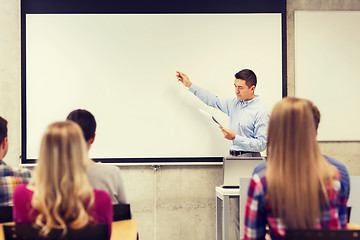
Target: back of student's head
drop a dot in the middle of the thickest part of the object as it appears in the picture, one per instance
(291, 127)
(247, 75)
(316, 113)
(296, 174)
(85, 120)
(61, 181)
(3, 129)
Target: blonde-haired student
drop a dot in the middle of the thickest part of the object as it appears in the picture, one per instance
(62, 196)
(297, 188)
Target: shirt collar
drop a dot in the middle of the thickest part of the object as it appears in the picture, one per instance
(247, 103)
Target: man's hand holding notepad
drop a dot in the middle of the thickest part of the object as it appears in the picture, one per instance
(228, 134)
(208, 115)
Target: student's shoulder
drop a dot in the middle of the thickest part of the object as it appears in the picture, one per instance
(259, 175)
(22, 193)
(22, 188)
(103, 167)
(339, 165)
(23, 172)
(6, 170)
(344, 175)
(102, 197)
(260, 169)
(334, 161)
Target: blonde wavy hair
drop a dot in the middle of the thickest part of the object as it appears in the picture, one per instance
(63, 195)
(297, 175)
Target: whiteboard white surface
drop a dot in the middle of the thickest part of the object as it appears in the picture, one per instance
(122, 69)
(327, 60)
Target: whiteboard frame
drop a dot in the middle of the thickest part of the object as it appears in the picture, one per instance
(111, 7)
(326, 70)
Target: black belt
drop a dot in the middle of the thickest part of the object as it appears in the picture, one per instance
(237, 153)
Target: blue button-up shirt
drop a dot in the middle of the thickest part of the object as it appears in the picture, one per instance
(248, 120)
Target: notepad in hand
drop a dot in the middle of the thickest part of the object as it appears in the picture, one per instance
(209, 116)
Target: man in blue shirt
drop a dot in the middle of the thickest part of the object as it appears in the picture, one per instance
(248, 123)
(248, 116)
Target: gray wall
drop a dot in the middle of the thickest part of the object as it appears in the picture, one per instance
(173, 202)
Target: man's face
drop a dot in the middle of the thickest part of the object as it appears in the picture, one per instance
(242, 91)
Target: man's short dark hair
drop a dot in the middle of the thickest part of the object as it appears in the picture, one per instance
(247, 75)
(3, 129)
(85, 120)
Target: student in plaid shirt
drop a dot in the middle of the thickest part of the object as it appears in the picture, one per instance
(297, 188)
(9, 178)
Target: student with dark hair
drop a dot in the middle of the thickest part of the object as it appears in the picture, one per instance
(86, 122)
(101, 176)
(297, 187)
(10, 177)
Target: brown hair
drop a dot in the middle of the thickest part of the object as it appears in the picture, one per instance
(86, 122)
(297, 174)
(316, 113)
(247, 75)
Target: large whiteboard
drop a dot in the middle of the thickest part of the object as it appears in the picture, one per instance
(121, 67)
(327, 61)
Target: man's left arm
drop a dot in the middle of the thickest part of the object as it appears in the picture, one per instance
(255, 143)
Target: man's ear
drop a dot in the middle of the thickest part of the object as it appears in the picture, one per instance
(92, 139)
(252, 88)
(3, 143)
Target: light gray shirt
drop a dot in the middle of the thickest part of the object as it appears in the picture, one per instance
(107, 178)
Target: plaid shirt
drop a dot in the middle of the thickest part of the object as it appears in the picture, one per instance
(10, 178)
(258, 211)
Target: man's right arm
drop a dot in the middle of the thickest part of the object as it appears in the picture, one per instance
(205, 96)
(183, 78)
